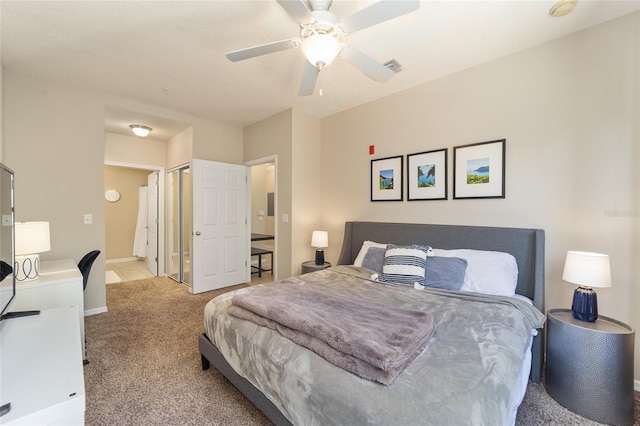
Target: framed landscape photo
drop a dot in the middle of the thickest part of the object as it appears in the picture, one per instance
(479, 170)
(427, 175)
(386, 179)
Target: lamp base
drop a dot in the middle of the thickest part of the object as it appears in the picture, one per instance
(27, 267)
(319, 257)
(585, 304)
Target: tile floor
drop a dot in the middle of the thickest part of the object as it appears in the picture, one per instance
(129, 271)
(137, 270)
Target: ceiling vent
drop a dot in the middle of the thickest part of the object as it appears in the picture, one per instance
(393, 65)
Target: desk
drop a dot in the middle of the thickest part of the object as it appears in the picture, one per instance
(59, 284)
(261, 237)
(42, 374)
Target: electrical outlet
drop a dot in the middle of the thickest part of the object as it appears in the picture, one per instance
(88, 219)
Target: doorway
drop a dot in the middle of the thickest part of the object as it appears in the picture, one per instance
(262, 218)
(132, 220)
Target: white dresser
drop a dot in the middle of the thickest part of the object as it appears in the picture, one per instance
(59, 284)
(41, 369)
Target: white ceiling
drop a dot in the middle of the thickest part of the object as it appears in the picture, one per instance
(172, 53)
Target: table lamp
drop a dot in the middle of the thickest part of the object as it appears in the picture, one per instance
(587, 270)
(320, 240)
(32, 238)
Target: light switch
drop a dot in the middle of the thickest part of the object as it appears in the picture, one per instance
(285, 217)
(88, 219)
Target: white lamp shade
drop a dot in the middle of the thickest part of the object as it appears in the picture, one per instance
(32, 237)
(587, 269)
(320, 239)
(320, 49)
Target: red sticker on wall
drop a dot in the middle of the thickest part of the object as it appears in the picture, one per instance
(372, 149)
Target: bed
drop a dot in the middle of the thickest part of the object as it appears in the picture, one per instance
(293, 385)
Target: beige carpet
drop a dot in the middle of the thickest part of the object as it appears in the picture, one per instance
(145, 366)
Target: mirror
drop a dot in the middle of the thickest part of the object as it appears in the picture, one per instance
(7, 245)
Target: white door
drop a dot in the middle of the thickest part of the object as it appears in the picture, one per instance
(152, 223)
(220, 231)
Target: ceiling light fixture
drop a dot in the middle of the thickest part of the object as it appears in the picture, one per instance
(140, 130)
(320, 49)
(562, 8)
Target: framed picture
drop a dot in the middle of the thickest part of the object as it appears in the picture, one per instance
(386, 179)
(478, 170)
(427, 175)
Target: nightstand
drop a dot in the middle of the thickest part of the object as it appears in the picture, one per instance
(590, 366)
(311, 266)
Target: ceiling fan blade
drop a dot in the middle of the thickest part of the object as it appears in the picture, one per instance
(297, 9)
(263, 49)
(371, 68)
(378, 12)
(309, 78)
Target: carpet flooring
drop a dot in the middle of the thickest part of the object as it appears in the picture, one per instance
(144, 366)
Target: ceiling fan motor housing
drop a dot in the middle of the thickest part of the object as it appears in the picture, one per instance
(320, 4)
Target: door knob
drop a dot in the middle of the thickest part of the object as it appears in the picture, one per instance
(197, 232)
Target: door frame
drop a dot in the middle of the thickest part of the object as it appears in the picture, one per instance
(264, 160)
(161, 206)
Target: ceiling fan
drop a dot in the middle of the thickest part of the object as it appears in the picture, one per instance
(320, 31)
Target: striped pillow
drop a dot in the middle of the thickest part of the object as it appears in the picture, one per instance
(404, 264)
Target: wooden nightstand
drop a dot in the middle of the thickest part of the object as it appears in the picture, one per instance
(590, 366)
(311, 266)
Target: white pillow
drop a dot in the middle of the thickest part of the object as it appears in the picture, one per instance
(490, 272)
(363, 251)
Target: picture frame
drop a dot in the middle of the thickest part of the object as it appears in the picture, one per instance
(386, 178)
(479, 170)
(427, 175)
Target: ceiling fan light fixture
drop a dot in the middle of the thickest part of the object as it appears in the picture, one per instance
(140, 130)
(320, 49)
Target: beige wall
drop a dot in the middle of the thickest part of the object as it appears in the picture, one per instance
(294, 137)
(132, 150)
(307, 185)
(1, 114)
(121, 217)
(259, 190)
(570, 112)
(272, 137)
(59, 162)
(179, 149)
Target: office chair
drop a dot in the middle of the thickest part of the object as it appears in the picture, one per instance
(85, 266)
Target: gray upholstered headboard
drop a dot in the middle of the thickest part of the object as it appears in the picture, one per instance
(526, 245)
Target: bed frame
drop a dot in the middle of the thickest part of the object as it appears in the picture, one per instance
(526, 245)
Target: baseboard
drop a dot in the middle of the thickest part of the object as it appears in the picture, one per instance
(124, 259)
(636, 385)
(96, 311)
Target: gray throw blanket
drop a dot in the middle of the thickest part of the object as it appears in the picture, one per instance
(374, 341)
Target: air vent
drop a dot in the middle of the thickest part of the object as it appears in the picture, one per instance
(393, 65)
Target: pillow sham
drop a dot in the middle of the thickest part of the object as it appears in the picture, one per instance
(490, 272)
(374, 259)
(366, 245)
(404, 264)
(445, 272)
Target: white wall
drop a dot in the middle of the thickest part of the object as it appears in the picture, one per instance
(570, 112)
